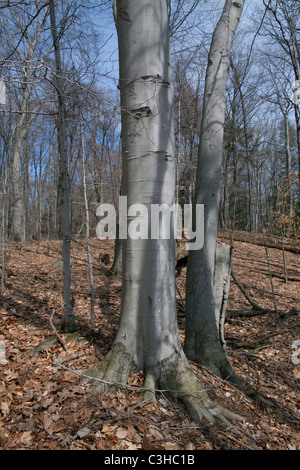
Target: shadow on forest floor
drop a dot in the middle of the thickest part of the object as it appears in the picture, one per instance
(46, 406)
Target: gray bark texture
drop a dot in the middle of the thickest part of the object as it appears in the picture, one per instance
(222, 273)
(148, 301)
(202, 329)
(63, 186)
(147, 338)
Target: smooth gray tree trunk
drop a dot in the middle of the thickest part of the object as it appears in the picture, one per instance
(202, 340)
(147, 338)
(63, 187)
(87, 227)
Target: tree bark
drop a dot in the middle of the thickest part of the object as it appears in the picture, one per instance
(222, 273)
(87, 227)
(116, 268)
(63, 187)
(202, 340)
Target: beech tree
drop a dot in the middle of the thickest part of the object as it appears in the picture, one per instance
(147, 339)
(203, 341)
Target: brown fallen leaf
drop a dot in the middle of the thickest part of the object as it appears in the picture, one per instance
(147, 443)
(26, 438)
(4, 408)
(82, 433)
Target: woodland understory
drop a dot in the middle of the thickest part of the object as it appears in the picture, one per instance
(45, 404)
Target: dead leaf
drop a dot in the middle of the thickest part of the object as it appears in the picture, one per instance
(48, 424)
(128, 445)
(108, 429)
(170, 446)
(83, 433)
(154, 431)
(147, 443)
(121, 433)
(4, 408)
(26, 438)
(47, 402)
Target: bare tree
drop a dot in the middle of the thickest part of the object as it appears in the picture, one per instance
(202, 340)
(63, 189)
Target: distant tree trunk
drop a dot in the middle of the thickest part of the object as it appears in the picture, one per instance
(202, 330)
(297, 119)
(17, 229)
(87, 225)
(28, 64)
(116, 268)
(288, 165)
(63, 189)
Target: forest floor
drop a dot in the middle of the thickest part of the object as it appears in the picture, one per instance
(45, 405)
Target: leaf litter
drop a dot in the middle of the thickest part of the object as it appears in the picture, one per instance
(44, 404)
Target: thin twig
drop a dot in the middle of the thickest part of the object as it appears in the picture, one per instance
(243, 290)
(127, 386)
(60, 339)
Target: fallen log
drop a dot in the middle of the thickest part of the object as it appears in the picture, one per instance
(288, 278)
(255, 344)
(250, 238)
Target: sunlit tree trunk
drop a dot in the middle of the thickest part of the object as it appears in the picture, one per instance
(202, 332)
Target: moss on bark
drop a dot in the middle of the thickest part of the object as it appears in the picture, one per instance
(113, 371)
(173, 375)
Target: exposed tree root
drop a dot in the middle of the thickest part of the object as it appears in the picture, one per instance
(113, 371)
(230, 376)
(173, 375)
(177, 375)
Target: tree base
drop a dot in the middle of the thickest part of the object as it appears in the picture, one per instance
(219, 364)
(172, 375)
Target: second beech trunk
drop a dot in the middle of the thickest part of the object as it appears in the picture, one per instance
(202, 331)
